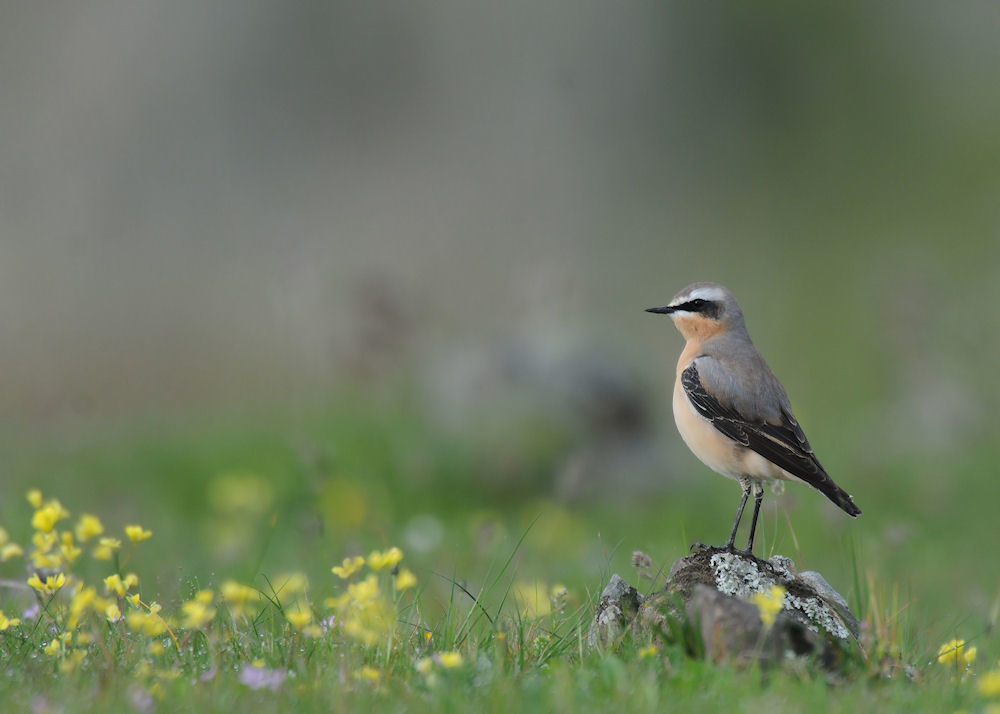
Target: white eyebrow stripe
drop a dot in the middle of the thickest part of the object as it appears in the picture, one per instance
(712, 294)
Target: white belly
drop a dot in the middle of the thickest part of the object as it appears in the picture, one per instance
(715, 449)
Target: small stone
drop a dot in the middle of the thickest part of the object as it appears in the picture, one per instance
(618, 606)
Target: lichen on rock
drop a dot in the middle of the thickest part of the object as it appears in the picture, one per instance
(743, 577)
(716, 588)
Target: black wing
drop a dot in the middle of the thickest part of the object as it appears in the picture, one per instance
(783, 444)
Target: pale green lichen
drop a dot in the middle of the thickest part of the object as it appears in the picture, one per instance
(744, 578)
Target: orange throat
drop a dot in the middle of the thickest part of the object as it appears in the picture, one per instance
(697, 328)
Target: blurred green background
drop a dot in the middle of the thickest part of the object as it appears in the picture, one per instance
(288, 281)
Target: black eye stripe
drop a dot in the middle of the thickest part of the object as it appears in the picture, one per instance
(692, 305)
(708, 308)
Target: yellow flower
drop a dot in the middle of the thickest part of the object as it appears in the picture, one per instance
(388, 559)
(130, 580)
(154, 625)
(405, 579)
(365, 591)
(288, 584)
(54, 647)
(364, 614)
(146, 623)
(197, 614)
(51, 584)
(368, 674)
(72, 661)
(89, 526)
(134, 600)
(233, 591)
(10, 550)
(424, 665)
(349, 567)
(957, 653)
(100, 604)
(45, 519)
(113, 584)
(238, 597)
(54, 503)
(988, 685)
(44, 542)
(113, 613)
(648, 652)
(106, 547)
(34, 497)
(769, 604)
(81, 600)
(6, 622)
(69, 549)
(450, 660)
(46, 561)
(137, 534)
(337, 603)
(299, 616)
(532, 599)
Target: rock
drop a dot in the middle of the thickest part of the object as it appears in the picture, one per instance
(716, 590)
(618, 606)
(732, 630)
(833, 599)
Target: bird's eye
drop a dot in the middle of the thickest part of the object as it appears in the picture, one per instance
(697, 303)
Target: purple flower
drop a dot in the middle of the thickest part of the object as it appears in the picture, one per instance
(141, 700)
(260, 677)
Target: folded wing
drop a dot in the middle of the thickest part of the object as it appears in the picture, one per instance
(781, 441)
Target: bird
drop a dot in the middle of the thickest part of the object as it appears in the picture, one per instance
(730, 408)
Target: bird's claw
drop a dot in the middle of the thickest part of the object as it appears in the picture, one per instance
(698, 546)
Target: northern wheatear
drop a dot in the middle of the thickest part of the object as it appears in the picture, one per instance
(731, 410)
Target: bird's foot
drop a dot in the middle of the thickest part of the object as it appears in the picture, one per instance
(698, 546)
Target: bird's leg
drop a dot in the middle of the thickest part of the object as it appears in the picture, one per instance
(758, 496)
(739, 513)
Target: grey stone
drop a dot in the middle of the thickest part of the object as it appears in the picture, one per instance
(617, 608)
(716, 588)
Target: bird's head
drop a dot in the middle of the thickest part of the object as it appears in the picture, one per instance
(703, 310)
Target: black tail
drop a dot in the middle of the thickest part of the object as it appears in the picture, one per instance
(841, 497)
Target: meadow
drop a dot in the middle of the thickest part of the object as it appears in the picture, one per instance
(326, 385)
(352, 556)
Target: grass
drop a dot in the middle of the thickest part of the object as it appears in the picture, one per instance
(249, 516)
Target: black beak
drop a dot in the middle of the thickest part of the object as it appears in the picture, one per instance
(665, 310)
